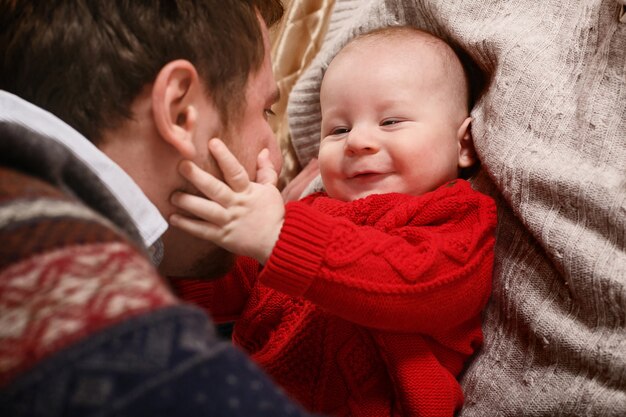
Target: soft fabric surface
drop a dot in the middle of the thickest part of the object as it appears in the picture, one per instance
(294, 44)
(550, 130)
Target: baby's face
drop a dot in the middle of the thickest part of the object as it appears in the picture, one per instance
(386, 125)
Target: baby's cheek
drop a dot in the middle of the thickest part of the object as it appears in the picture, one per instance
(325, 161)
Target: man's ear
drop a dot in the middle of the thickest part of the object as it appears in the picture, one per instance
(467, 154)
(174, 106)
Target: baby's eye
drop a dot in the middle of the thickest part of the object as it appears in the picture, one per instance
(389, 122)
(339, 131)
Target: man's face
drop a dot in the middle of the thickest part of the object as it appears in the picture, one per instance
(251, 133)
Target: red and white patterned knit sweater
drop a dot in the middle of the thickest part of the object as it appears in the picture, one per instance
(65, 273)
(366, 308)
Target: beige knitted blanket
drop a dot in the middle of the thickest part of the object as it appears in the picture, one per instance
(551, 133)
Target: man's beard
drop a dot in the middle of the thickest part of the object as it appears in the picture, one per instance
(214, 265)
(188, 257)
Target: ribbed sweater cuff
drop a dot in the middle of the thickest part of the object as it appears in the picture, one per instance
(297, 256)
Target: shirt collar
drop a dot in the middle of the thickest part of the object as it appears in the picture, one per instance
(144, 214)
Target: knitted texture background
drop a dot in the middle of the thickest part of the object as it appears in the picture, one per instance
(550, 130)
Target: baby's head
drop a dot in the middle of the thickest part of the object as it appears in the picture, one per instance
(395, 116)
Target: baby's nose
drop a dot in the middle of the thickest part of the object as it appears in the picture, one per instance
(361, 141)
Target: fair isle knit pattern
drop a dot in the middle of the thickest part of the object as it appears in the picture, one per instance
(164, 364)
(366, 308)
(66, 271)
(54, 299)
(64, 274)
(550, 132)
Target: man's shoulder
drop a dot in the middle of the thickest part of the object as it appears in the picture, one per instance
(37, 217)
(165, 363)
(65, 271)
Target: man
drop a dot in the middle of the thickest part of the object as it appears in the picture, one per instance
(87, 325)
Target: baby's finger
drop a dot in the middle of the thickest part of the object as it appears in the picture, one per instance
(197, 228)
(234, 174)
(266, 172)
(207, 184)
(200, 207)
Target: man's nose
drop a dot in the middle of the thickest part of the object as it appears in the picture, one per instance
(361, 141)
(276, 155)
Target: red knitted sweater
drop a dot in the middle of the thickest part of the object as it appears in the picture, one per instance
(366, 308)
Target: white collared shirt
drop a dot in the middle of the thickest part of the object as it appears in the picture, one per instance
(144, 214)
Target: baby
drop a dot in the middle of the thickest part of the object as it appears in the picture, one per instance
(365, 299)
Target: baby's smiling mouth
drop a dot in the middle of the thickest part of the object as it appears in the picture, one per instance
(366, 175)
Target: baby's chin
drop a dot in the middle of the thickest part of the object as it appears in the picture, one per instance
(353, 196)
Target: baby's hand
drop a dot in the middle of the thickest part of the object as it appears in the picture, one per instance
(242, 216)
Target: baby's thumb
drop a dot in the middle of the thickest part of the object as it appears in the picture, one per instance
(266, 172)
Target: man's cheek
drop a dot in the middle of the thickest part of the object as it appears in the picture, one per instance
(209, 164)
(248, 160)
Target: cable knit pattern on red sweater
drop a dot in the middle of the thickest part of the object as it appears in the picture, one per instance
(370, 307)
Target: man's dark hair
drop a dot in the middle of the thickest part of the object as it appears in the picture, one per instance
(86, 60)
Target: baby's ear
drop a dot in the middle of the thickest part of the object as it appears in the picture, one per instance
(467, 153)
